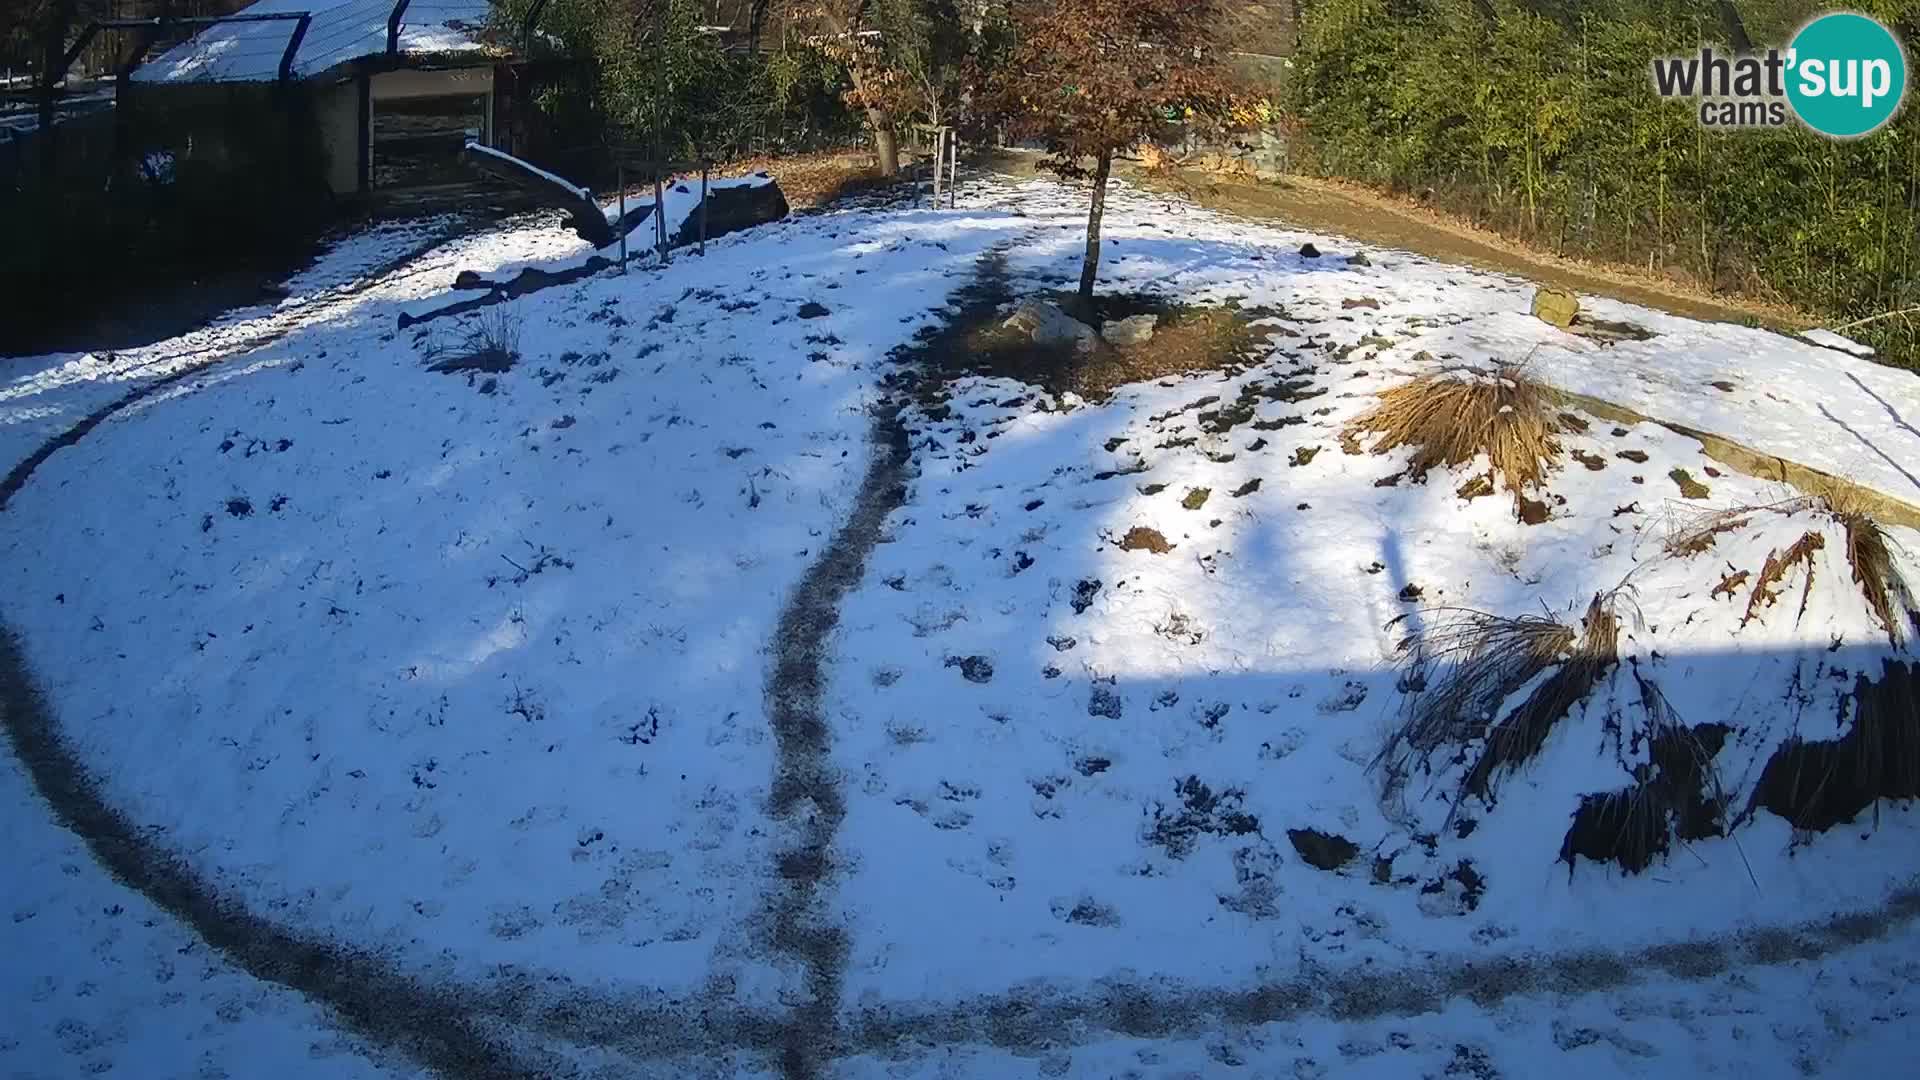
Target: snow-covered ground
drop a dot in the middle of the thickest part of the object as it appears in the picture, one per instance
(469, 670)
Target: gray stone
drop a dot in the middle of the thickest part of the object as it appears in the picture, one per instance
(1047, 325)
(1135, 330)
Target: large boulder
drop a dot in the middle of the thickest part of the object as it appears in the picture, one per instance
(731, 209)
(1049, 326)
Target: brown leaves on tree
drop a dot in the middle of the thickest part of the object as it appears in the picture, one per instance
(1091, 78)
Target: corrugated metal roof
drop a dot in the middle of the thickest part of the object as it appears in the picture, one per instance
(340, 31)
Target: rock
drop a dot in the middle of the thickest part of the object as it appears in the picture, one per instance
(1308, 251)
(1324, 851)
(468, 279)
(1047, 325)
(977, 669)
(731, 209)
(1134, 330)
(1359, 260)
(813, 310)
(1556, 306)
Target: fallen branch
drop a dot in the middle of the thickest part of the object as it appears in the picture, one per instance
(1898, 313)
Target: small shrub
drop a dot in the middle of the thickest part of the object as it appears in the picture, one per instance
(491, 344)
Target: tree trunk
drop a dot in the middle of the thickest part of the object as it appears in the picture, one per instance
(1090, 267)
(886, 141)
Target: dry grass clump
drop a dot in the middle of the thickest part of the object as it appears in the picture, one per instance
(1488, 659)
(1516, 739)
(1869, 552)
(1675, 794)
(1800, 552)
(1817, 785)
(1452, 417)
(491, 344)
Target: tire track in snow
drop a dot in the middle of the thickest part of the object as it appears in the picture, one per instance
(805, 782)
(1041, 1019)
(280, 324)
(367, 995)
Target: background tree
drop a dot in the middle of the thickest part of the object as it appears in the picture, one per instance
(1537, 119)
(667, 64)
(1093, 78)
(908, 59)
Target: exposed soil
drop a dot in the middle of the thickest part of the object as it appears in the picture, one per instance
(1323, 851)
(1219, 338)
(1141, 538)
(1377, 219)
(1689, 487)
(1678, 798)
(812, 181)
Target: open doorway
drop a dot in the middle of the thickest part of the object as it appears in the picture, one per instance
(418, 122)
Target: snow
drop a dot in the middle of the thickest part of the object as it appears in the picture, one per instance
(1831, 340)
(340, 31)
(476, 148)
(469, 669)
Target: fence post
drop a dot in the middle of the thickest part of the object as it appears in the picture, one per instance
(939, 154)
(703, 203)
(620, 178)
(953, 178)
(659, 210)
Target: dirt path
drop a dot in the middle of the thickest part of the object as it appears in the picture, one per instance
(1317, 205)
(806, 787)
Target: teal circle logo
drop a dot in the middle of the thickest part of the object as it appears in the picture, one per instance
(1846, 75)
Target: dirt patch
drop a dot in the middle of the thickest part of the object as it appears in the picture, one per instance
(805, 789)
(815, 180)
(1676, 797)
(1323, 851)
(1141, 538)
(1689, 487)
(1200, 811)
(1381, 220)
(1189, 339)
(1196, 498)
(490, 361)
